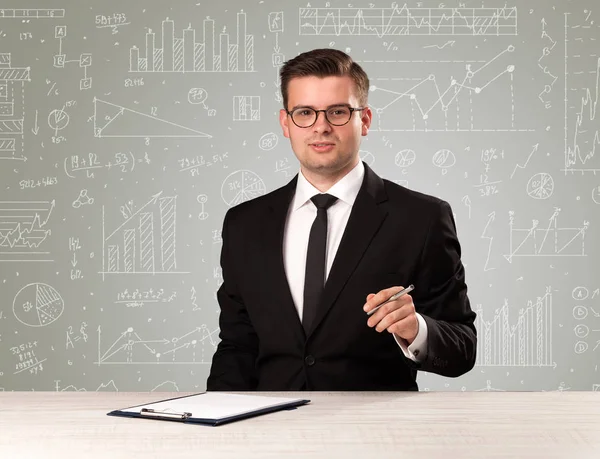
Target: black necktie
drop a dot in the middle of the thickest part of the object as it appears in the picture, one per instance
(314, 280)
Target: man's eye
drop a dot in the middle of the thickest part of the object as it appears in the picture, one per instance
(303, 112)
(338, 111)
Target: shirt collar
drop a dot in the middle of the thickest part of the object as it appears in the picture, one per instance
(346, 189)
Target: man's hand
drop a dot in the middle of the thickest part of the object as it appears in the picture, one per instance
(398, 316)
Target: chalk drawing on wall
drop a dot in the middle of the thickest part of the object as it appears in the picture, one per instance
(38, 305)
(31, 13)
(186, 54)
(549, 240)
(24, 230)
(445, 96)
(112, 120)
(582, 89)
(12, 108)
(525, 343)
(145, 243)
(408, 21)
(195, 347)
(241, 186)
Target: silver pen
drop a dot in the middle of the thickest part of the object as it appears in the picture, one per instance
(395, 296)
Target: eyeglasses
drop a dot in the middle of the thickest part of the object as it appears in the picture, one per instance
(305, 117)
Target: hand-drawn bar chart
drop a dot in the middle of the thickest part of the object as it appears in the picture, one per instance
(168, 53)
(526, 343)
(145, 242)
(408, 21)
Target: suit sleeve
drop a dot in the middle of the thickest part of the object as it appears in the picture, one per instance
(441, 298)
(233, 366)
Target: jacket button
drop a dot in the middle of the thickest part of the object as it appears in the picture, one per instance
(309, 360)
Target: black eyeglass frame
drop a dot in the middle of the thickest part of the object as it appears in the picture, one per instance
(352, 110)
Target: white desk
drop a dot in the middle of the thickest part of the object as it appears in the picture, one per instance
(449, 425)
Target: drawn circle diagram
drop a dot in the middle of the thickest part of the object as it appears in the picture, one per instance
(580, 293)
(197, 96)
(581, 347)
(581, 331)
(241, 186)
(596, 195)
(57, 120)
(540, 186)
(268, 141)
(580, 312)
(444, 158)
(405, 158)
(38, 305)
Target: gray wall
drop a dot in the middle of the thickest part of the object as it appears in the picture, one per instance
(115, 174)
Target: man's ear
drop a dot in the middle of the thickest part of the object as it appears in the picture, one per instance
(366, 119)
(284, 120)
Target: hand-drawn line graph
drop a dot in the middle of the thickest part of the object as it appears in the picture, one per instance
(241, 186)
(133, 248)
(37, 305)
(60, 59)
(111, 120)
(110, 386)
(195, 347)
(582, 137)
(550, 241)
(31, 13)
(459, 101)
(12, 108)
(23, 230)
(527, 343)
(186, 55)
(408, 21)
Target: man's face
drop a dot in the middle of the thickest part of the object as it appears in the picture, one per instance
(322, 148)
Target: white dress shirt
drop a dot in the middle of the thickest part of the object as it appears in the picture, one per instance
(300, 217)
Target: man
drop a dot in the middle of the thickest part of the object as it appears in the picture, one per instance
(301, 272)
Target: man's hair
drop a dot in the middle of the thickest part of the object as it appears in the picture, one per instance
(323, 63)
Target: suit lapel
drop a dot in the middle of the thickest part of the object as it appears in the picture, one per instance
(365, 219)
(273, 232)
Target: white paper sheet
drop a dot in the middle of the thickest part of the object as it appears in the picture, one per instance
(214, 405)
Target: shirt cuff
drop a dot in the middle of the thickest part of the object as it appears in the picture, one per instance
(418, 349)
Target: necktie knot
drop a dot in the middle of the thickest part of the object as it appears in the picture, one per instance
(323, 201)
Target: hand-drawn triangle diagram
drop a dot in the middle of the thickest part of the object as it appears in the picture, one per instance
(111, 120)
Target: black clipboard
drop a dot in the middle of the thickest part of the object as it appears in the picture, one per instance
(210, 408)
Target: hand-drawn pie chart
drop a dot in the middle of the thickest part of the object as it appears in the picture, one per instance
(38, 305)
(540, 186)
(241, 186)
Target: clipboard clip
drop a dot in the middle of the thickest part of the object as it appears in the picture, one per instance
(164, 414)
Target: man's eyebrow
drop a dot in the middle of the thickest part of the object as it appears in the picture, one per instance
(343, 104)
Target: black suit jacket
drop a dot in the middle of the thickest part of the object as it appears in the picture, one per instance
(394, 237)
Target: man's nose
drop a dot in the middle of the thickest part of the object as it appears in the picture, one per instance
(321, 124)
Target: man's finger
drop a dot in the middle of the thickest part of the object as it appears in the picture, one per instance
(380, 297)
